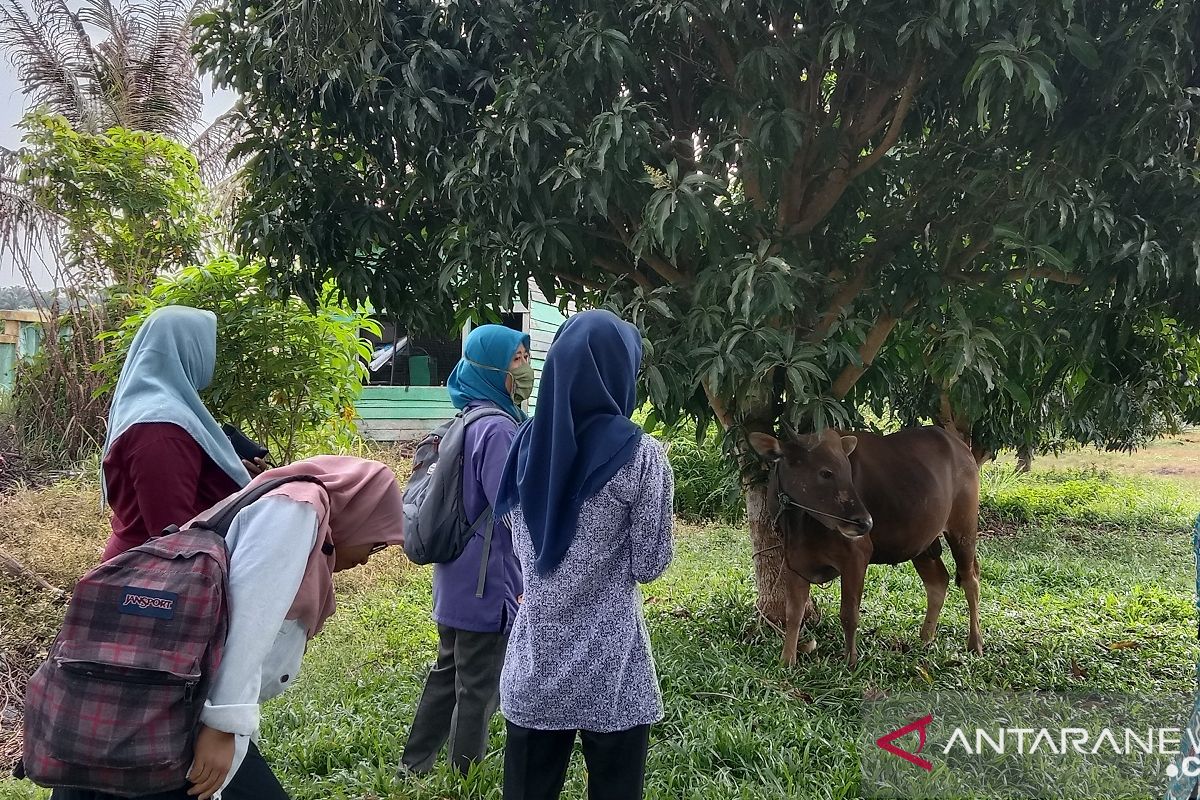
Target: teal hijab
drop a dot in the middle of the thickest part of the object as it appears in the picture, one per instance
(480, 375)
(171, 360)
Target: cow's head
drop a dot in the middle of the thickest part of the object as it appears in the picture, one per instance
(814, 472)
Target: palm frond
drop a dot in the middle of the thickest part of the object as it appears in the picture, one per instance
(113, 70)
(142, 75)
(167, 97)
(211, 147)
(48, 64)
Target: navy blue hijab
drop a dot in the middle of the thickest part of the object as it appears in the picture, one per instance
(581, 434)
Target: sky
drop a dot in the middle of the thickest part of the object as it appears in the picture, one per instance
(13, 107)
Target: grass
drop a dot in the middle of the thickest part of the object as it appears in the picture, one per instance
(1174, 457)
(1088, 584)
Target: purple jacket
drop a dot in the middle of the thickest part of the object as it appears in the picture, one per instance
(454, 602)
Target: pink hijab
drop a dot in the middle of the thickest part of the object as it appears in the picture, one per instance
(361, 503)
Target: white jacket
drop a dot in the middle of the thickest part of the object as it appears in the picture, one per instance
(269, 544)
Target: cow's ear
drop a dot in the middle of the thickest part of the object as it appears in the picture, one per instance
(849, 443)
(766, 446)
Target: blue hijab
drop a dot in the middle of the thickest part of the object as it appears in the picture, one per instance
(582, 434)
(171, 360)
(484, 366)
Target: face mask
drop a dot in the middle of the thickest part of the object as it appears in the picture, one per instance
(522, 378)
(522, 382)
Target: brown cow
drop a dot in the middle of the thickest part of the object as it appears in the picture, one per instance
(843, 502)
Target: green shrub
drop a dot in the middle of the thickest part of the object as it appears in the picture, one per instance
(1086, 496)
(287, 375)
(706, 483)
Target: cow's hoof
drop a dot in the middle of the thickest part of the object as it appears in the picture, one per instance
(976, 646)
(928, 634)
(852, 659)
(808, 647)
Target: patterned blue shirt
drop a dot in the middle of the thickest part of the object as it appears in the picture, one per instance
(579, 653)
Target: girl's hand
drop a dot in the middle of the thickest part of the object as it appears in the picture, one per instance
(256, 467)
(212, 759)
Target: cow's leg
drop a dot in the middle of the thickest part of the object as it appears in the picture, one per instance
(853, 579)
(963, 536)
(797, 605)
(937, 583)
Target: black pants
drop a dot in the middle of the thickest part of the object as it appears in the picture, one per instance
(535, 763)
(460, 697)
(253, 781)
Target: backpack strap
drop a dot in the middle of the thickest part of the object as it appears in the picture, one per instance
(220, 523)
(487, 518)
(488, 515)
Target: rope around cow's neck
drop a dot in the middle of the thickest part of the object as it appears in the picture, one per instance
(786, 500)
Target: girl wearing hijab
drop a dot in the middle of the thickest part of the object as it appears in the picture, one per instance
(166, 458)
(461, 693)
(283, 551)
(590, 498)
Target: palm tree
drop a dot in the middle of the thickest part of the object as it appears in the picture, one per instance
(141, 75)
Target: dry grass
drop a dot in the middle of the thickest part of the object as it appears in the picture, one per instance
(1175, 457)
(59, 532)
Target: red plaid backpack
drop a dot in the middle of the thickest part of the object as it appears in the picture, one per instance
(115, 706)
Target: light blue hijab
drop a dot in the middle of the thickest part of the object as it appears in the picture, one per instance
(481, 372)
(172, 358)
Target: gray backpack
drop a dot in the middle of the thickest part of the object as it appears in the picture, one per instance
(436, 529)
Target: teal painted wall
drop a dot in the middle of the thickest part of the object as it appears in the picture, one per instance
(28, 337)
(390, 413)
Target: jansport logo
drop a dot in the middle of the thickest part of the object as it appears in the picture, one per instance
(886, 742)
(145, 601)
(148, 602)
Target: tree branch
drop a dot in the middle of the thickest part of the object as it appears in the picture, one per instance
(893, 132)
(665, 270)
(885, 323)
(720, 410)
(969, 255)
(621, 269)
(724, 54)
(584, 282)
(946, 413)
(750, 181)
(809, 214)
(625, 228)
(844, 297)
(16, 568)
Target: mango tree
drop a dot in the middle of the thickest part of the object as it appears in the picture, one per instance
(778, 193)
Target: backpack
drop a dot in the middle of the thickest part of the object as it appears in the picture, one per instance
(436, 529)
(115, 706)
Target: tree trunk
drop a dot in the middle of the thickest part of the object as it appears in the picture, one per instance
(981, 453)
(1024, 458)
(768, 556)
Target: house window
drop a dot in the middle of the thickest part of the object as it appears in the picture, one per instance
(404, 359)
(401, 359)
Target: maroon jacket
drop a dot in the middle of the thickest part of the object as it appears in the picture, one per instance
(158, 475)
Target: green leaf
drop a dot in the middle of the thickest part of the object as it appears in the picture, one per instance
(1080, 44)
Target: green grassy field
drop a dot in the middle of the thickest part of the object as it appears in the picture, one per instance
(1088, 583)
